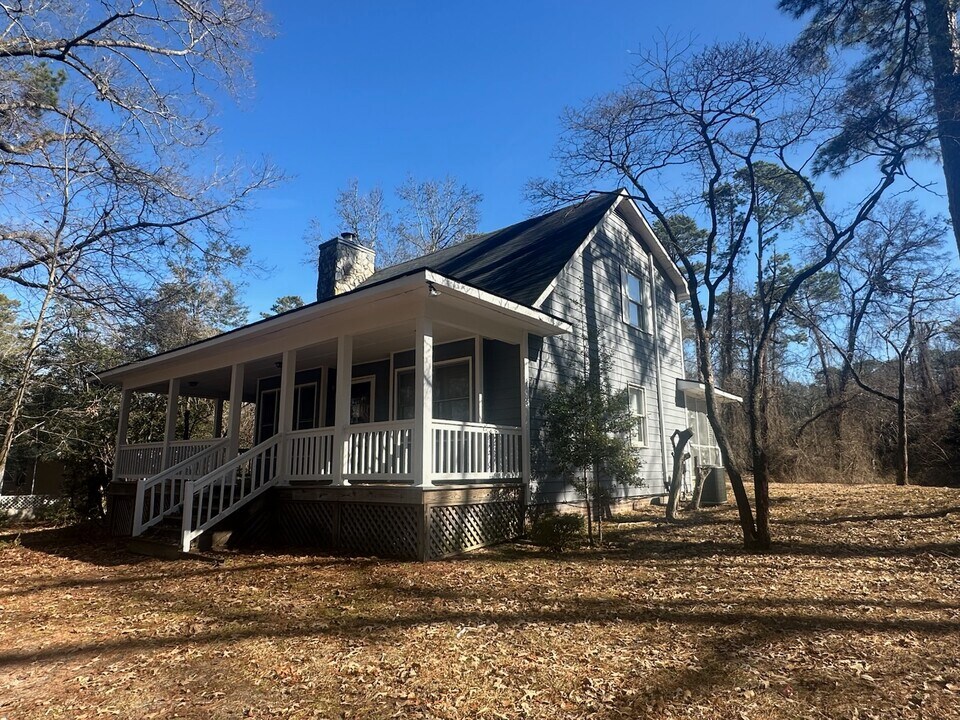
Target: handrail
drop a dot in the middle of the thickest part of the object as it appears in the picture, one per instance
(165, 488)
(241, 479)
(476, 425)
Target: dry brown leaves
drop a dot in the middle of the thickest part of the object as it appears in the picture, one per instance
(856, 614)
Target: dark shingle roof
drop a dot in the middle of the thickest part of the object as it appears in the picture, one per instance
(516, 262)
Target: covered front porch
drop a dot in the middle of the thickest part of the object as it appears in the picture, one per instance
(434, 407)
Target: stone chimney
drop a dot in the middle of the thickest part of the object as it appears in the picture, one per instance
(343, 264)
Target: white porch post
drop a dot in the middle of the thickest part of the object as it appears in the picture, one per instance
(423, 405)
(170, 431)
(218, 419)
(525, 414)
(288, 382)
(126, 396)
(341, 436)
(236, 406)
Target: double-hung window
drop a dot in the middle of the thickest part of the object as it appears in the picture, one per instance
(634, 299)
(638, 407)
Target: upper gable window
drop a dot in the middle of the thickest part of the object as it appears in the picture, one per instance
(635, 300)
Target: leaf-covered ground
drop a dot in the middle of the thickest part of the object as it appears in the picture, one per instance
(856, 614)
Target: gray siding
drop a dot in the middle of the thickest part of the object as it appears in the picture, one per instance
(588, 295)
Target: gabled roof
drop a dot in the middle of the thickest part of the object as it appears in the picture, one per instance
(517, 262)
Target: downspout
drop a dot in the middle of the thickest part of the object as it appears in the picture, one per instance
(658, 371)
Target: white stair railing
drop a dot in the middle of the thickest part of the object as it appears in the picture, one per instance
(162, 494)
(216, 495)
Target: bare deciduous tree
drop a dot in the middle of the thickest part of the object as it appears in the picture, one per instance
(699, 119)
(98, 105)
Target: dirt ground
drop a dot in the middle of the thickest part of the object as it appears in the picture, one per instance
(856, 614)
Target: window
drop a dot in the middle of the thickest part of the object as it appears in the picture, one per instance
(404, 398)
(635, 309)
(361, 400)
(268, 412)
(638, 406)
(305, 406)
(452, 390)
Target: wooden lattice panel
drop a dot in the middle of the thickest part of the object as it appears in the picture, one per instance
(308, 524)
(389, 530)
(457, 528)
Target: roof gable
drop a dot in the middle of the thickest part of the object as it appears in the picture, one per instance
(517, 262)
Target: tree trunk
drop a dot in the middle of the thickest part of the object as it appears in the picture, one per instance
(744, 511)
(757, 417)
(903, 460)
(942, 42)
(586, 493)
(679, 440)
(702, 473)
(596, 502)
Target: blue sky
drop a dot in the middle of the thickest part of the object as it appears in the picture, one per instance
(380, 90)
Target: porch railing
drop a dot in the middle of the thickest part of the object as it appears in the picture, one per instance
(380, 451)
(162, 494)
(310, 454)
(140, 460)
(143, 460)
(476, 451)
(213, 497)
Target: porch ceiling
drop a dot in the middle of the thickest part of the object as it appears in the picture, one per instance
(367, 347)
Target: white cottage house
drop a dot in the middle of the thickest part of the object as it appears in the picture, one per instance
(398, 414)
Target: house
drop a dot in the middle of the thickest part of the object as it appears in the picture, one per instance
(398, 414)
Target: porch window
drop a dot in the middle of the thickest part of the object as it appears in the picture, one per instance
(452, 390)
(268, 410)
(305, 406)
(361, 400)
(634, 300)
(405, 395)
(638, 406)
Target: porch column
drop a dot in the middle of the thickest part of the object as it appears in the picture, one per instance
(170, 431)
(288, 382)
(236, 406)
(525, 414)
(341, 434)
(422, 464)
(126, 396)
(218, 419)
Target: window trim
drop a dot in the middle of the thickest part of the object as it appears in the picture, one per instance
(643, 440)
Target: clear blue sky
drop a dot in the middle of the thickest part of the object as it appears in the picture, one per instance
(379, 90)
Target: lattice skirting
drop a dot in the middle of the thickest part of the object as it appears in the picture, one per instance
(458, 528)
(26, 506)
(407, 531)
(121, 500)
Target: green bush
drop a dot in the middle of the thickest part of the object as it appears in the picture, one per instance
(557, 532)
